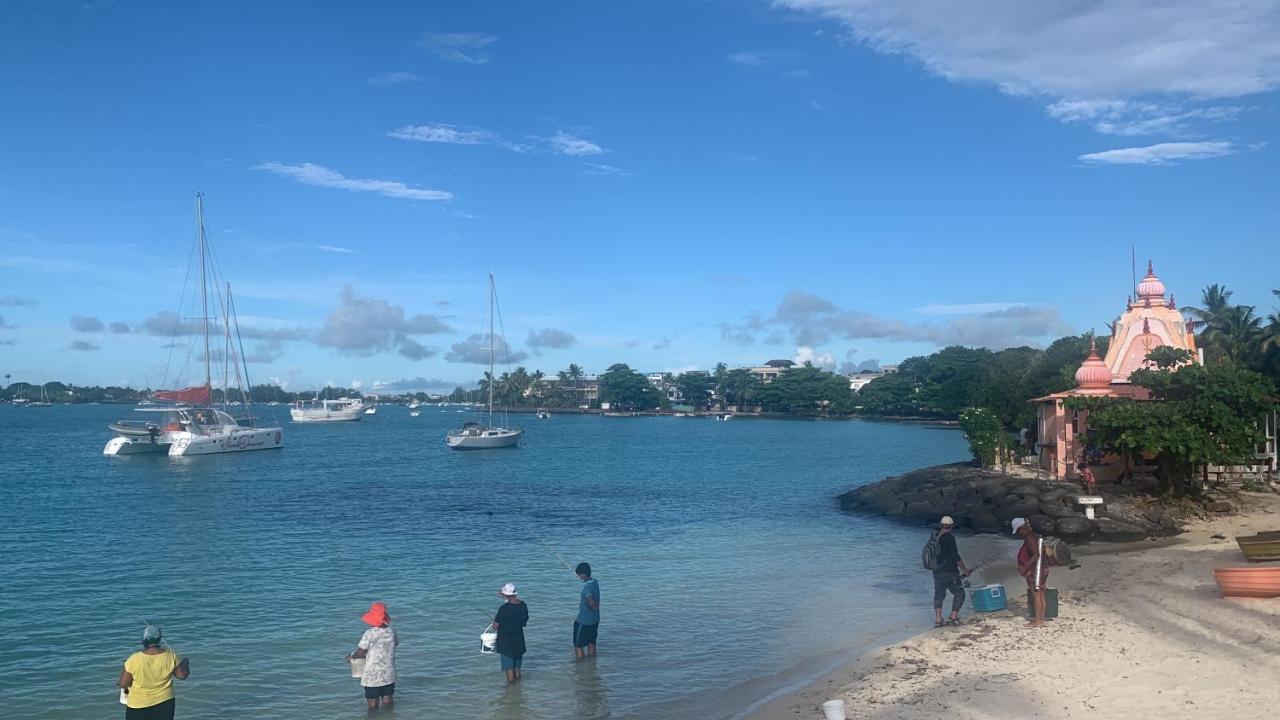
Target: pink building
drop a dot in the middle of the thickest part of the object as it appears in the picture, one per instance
(1147, 324)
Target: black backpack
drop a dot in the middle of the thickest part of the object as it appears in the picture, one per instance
(931, 555)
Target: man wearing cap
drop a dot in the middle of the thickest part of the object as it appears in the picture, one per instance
(947, 576)
(1028, 558)
(147, 678)
(378, 648)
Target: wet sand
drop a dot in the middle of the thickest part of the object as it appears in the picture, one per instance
(1141, 632)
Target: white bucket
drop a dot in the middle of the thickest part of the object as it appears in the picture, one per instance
(357, 667)
(833, 710)
(124, 696)
(488, 641)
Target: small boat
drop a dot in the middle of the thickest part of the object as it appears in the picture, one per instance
(473, 435)
(1261, 547)
(1257, 582)
(414, 413)
(543, 414)
(724, 416)
(42, 402)
(340, 410)
(371, 410)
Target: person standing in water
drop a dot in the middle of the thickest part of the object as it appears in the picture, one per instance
(1028, 558)
(378, 648)
(509, 622)
(147, 678)
(587, 624)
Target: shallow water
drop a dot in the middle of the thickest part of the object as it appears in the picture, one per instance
(726, 569)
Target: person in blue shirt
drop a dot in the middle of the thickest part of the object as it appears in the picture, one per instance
(587, 625)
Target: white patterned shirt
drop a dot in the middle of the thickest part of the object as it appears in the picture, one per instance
(379, 644)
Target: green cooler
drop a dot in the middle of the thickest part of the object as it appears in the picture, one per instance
(1050, 604)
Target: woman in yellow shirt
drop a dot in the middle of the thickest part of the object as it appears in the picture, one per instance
(147, 678)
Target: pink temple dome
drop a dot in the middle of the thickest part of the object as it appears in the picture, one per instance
(1093, 373)
(1150, 288)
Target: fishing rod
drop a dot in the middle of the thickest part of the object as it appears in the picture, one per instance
(560, 557)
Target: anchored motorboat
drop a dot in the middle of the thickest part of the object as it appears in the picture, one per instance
(342, 409)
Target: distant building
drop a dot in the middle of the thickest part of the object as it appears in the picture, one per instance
(862, 378)
(662, 382)
(771, 370)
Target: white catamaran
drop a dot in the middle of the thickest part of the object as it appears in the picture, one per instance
(477, 436)
(192, 425)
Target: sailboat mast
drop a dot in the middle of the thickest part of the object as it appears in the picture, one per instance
(204, 294)
(491, 349)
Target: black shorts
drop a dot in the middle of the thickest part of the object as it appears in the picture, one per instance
(378, 692)
(584, 635)
(162, 711)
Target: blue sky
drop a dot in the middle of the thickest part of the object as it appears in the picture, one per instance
(665, 184)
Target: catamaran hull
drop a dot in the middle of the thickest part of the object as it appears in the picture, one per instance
(483, 442)
(136, 446)
(234, 441)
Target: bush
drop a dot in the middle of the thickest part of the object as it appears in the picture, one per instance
(983, 430)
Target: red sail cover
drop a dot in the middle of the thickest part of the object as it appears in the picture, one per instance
(198, 395)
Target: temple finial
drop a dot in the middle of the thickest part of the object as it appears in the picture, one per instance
(1150, 271)
(1173, 304)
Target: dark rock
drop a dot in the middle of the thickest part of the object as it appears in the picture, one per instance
(1043, 524)
(921, 512)
(1022, 508)
(1075, 529)
(985, 522)
(1114, 530)
(1221, 506)
(1058, 510)
(1054, 496)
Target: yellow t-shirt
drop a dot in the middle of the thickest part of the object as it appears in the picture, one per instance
(152, 677)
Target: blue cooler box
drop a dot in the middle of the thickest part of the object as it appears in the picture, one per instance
(989, 598)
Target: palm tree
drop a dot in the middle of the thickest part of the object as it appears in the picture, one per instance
(1228, 331)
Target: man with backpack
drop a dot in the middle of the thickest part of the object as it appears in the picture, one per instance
(943, 557)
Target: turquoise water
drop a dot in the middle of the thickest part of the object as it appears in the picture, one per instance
(725, 568)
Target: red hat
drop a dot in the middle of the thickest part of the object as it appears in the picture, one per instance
(377, 615)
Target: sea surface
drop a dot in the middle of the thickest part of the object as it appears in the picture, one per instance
(727, 571)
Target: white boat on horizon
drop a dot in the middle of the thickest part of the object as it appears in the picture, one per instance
(343, 409)
(474, 435)
(371, 410)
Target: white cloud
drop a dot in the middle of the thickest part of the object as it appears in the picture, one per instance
(567, 144)
(749, 59)
(600, 170)
(1160, 154)
(1131, 119)
(459, 47)
(320, 176)
(364, 326)
(335, 249)
(82, 324)
(453, 135)
(806, 354)
(552, 338)
(475, 350)
(397, 77)
(83, 345)
(1097, 56)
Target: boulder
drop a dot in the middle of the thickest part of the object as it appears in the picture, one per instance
(1058, 510)
(1221, 506)
(1114, 530)
(985, 521)
(1043, 524)
(1074, 529)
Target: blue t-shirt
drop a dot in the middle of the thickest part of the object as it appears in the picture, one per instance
(587, 616)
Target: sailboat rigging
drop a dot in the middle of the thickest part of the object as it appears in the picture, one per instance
(477, 436)
(192, 425)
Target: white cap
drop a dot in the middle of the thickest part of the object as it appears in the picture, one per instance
(946, 520)
(1017, 523)
(508, 590)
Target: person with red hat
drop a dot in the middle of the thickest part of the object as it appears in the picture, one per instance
(378, 648)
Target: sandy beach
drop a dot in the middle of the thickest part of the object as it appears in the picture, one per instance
(1142, 632)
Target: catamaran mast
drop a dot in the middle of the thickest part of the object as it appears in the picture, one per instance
(490, 349)
(204, 297)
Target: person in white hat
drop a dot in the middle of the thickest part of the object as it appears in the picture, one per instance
(947, 576)
(1028, 555)
(509, 622)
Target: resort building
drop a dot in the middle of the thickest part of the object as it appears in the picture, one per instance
(770, 371)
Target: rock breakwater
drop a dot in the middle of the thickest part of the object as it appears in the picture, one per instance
(984, 501)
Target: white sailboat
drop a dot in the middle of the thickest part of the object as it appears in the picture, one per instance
(193, 426)
(477, 436)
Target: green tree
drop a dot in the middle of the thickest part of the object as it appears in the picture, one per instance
(807, 390)
(1197, 415)
(739, 387)
(983, 430)
(695, 387)
(626, 389)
